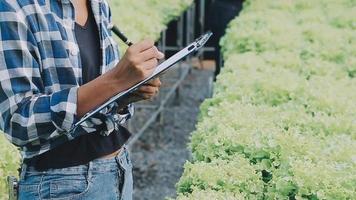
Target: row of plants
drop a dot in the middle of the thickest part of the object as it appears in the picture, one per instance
(282, 121)
(138, 19)
(145, 19)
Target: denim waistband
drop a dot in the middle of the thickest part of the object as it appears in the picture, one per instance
(97, 165)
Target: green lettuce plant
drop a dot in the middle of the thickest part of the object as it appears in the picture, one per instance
(284, 103)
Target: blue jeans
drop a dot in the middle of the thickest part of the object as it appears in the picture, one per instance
(104, 179)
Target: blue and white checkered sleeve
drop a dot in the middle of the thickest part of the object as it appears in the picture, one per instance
(27, 115)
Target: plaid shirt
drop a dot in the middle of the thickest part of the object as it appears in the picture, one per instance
(40, 72)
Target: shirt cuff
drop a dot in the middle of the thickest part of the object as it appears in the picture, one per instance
(125, 114)
(64, 108)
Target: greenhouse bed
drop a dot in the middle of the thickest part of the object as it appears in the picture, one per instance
(282, 121)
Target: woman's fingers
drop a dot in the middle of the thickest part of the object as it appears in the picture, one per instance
(151, 53)
(143, 96)
(146, 92)
(147, 89)
(143, 45)
(154, 82)
(149, 64)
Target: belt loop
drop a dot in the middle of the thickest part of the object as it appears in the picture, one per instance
(121, 156)
(23, 171)
(90, 170)
(119, 159)
(127, 156)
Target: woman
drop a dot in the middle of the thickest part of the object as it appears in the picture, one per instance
(59, 61)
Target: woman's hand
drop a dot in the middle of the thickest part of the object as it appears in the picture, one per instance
(146, 92)
(139, 61)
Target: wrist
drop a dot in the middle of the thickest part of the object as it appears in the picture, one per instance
(114, 83)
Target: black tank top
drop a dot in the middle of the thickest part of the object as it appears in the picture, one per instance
(89, 146)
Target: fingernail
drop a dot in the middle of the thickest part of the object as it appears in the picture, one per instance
(161, 55)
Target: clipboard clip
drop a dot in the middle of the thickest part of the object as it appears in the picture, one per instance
(201, 41)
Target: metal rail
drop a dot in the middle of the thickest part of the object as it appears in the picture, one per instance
(185, 35)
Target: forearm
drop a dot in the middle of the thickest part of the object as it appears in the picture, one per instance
(97, 91)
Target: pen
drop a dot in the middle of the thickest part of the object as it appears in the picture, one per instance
(122, 37)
